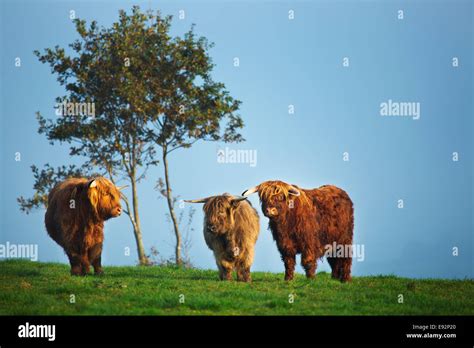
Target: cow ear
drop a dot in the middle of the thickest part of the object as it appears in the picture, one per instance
(293, 191)
(93, 195)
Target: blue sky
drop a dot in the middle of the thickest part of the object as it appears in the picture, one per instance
(337, 110)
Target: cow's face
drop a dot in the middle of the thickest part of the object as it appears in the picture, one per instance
(104, 196)
(274, 206)
(276, 198)
(220, 212)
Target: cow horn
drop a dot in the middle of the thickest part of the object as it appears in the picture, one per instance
(121, 187)
(293, 191)
(250, 191)
(202, 200)
(238, 198)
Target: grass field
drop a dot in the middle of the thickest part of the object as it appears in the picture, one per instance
(33, 288)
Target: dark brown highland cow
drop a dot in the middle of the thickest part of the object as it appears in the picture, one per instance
(77, 209)
(231, 228)
(308, 222)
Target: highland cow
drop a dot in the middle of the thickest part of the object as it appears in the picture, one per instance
(77, 209)
(308, 222)
(231, 228)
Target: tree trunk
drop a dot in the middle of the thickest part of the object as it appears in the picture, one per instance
(143, 260)
(171, 209)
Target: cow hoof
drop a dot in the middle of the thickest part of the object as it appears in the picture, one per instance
(99, 273)
(76, 272)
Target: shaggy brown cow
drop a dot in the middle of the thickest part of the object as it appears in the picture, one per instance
(231, 228)
(77, 209)
(307, 222)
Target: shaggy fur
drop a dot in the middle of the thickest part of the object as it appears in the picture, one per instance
(231, 229)
(77, 209)
(307, 223)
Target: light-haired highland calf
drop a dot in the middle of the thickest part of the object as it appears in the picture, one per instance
(231, 228)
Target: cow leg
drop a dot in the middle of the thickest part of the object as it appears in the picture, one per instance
(335, 267)
(243, 272)
(85, 265)
(95, 257)
(225, 269)
(341, 268)
(75, 262)
(333, 262)
(247, 275)
(308, 261)
(290, 262)
(345, 269)
(221, 270)
(240, 272)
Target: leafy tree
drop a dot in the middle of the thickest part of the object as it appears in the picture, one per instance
(45, 179)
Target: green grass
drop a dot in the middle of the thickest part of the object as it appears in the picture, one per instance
(33, 288)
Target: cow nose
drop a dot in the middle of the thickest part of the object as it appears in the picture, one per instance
(271, 211)
(119, 211)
